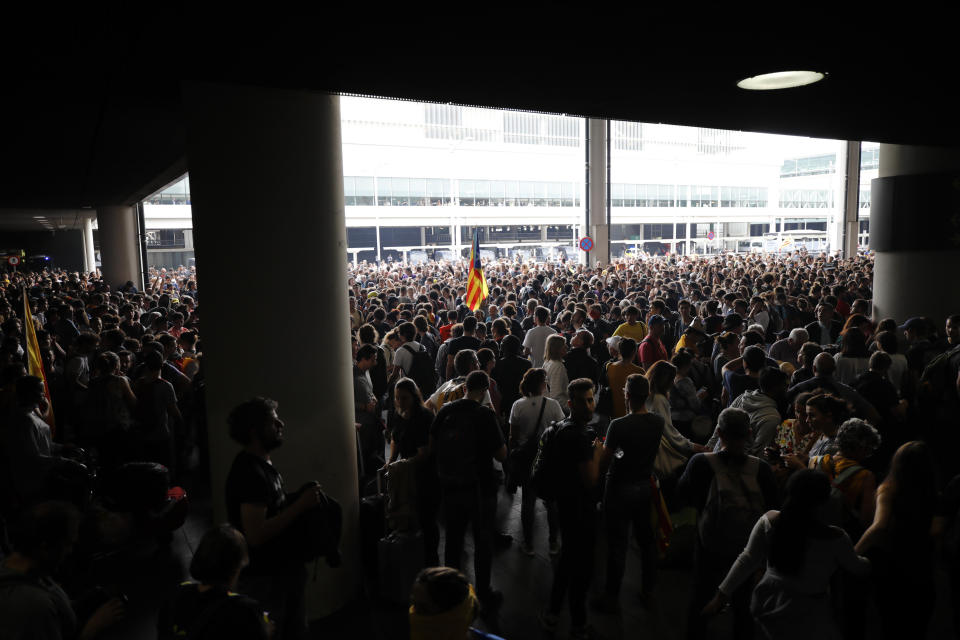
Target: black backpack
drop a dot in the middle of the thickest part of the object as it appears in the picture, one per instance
(935, 379)
(546, 470)
(422, 370)
(456, 445)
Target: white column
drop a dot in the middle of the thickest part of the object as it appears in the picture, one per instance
(290, 165)
(119, 245)
(597, 226)
(851, 201)
(89, 249)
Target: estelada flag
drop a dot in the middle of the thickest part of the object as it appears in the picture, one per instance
(34, 361)
(477, 290)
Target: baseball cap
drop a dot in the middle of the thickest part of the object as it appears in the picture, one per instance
(656, 319)
(614, 341)
(913, 323)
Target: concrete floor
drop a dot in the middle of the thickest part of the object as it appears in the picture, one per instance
(525, 582)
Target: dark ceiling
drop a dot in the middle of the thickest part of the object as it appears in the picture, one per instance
(91, 115)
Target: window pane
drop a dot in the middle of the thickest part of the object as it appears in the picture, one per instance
(364, 186)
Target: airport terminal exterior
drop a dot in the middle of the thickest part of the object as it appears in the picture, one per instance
(419, 177)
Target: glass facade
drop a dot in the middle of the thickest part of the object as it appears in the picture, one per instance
(416, 176)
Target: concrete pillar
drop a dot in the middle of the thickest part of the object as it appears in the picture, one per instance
(915, 232)
(851, 201)
(89, 250)
(119, 246)
(188, 239)
(598, 192)
(290, 164)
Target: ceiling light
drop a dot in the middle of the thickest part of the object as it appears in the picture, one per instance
(780, 80)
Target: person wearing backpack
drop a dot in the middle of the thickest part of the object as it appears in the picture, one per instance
(852, 504)
(570, 453)
(465, 439)
(414, 360)
(730, 490)
(800, 554)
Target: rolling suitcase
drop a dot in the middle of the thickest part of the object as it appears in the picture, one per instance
(400, 559)
(373, 526)
(399, 554)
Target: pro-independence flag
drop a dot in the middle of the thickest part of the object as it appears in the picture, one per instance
(34, 362)
(477, 290)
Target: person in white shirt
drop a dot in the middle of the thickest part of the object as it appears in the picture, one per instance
(523, 426)
(535, 340)
(758, 313)
(557, 378)
(403, 357)
(887, 342)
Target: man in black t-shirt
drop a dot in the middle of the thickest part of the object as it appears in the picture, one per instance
(258, 507)
(578, 451)
(629, 451)
(467, 341)
(465, 438)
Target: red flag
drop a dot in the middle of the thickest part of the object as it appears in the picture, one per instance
(477, 290)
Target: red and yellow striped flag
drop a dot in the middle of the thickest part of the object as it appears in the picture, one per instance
(477, 290)
(34, 361)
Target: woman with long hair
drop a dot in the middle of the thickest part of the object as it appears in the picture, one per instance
(408, 426)
(661, 377)
(900, 540)
(729, 349)
(801, 554)
(825, 414)
(858, 321)
(557, 379)
(853, 358)
(685, 399)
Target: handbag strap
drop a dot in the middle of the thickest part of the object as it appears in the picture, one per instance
(533, 441)
(543, 405)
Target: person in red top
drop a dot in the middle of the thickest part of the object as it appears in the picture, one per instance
(842, 307)
(446, 328)
(651, 348)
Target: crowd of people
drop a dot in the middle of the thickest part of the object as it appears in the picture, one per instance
(815, 441)
(808, 434)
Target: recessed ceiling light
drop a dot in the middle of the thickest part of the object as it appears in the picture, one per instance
(780, 80)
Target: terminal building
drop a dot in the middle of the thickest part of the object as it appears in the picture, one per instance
(420, 177)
